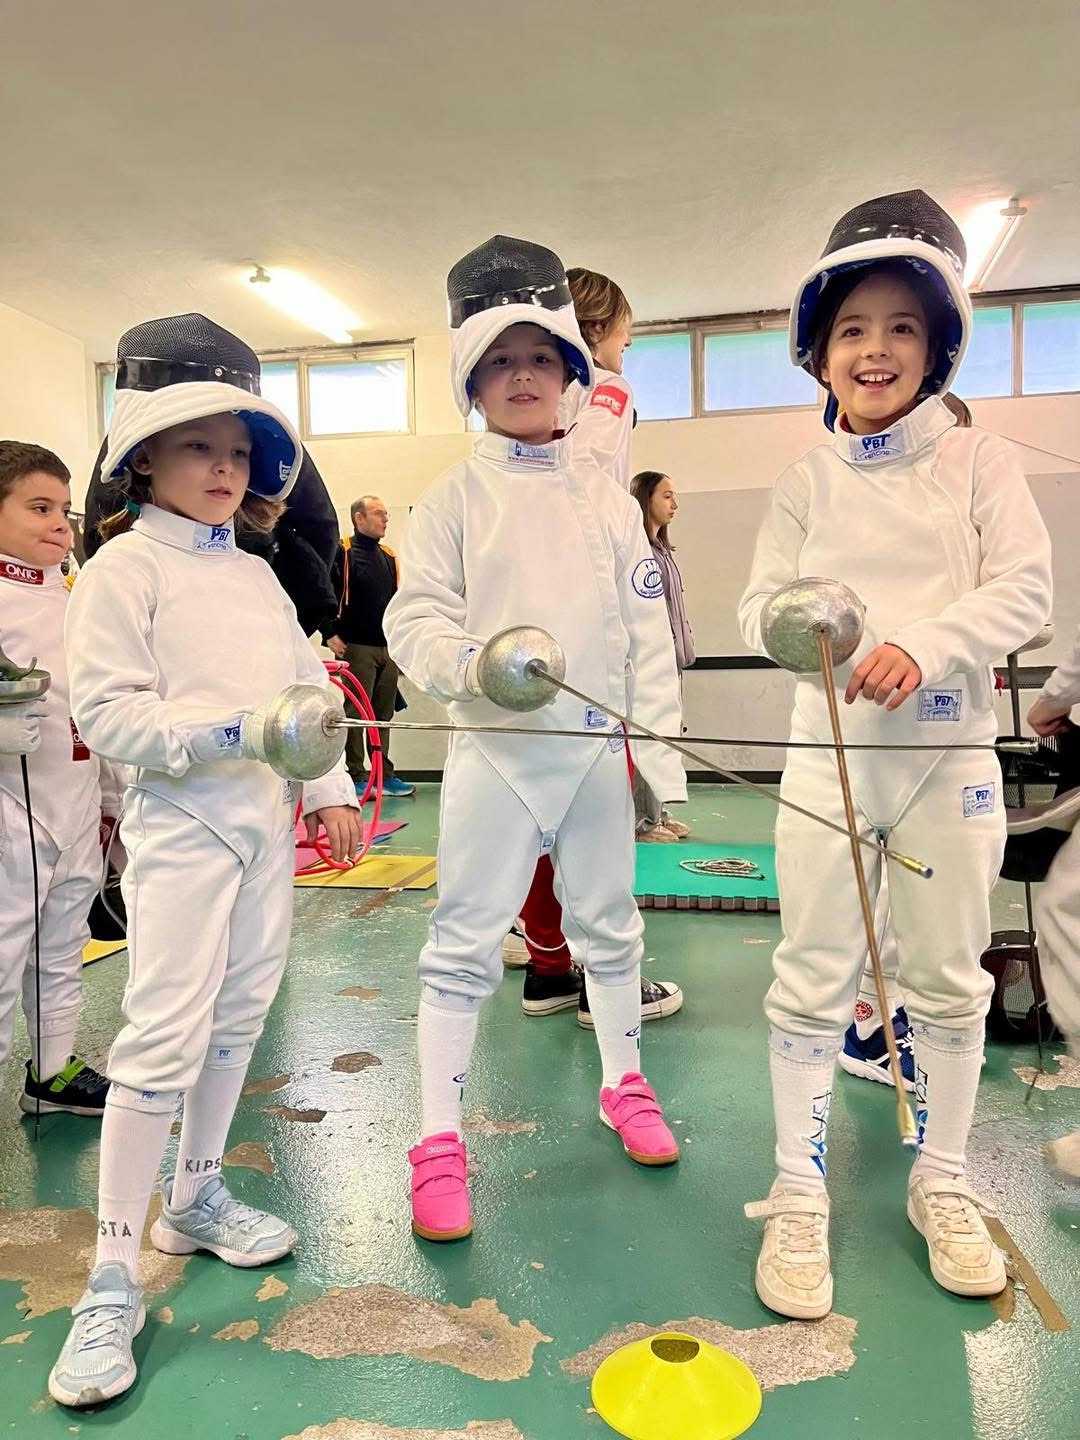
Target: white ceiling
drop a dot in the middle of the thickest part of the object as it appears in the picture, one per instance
(697, 151)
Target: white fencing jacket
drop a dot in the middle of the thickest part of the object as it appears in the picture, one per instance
(531, 535)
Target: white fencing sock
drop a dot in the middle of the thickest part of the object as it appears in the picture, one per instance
(445, 1039)
(801, 1068)
(134, 1133)
(868, 1016)
(948, 1064)
(209, 1107)
(57, 1042)
(616, 1013)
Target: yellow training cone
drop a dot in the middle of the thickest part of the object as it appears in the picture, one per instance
(673, 1387)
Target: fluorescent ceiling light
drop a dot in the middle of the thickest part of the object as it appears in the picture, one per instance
(987, 235)
(302, 300)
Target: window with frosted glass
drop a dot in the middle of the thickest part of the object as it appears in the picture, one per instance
(987, 367)
(1051, 347)
(357, 397)
(658, 368)
(108, 396)
(750, 370)
(281, 386)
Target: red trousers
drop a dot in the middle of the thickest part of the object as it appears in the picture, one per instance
(541, 917)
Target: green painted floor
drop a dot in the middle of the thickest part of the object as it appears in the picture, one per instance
(571, 1237)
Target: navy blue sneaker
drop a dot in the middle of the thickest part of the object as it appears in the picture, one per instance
(869, 1059)
(396, 786)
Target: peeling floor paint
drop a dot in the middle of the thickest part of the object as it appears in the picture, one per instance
(362, 1430)
(354, 1063)
(377, 1320)
(50, 1252)
(1068, 1074)
(250, 1155)
(481, 1122)
(787, 1354)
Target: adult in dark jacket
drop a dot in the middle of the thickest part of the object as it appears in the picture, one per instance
(365, 579)
(303, 544)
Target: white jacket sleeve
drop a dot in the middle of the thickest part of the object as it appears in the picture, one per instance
(604, 428)
(776, 553)
(1063, 686)
(1012, 600)
(115, 698)
(335, 787)
(113, 780)
(424, 622)
(652, 682)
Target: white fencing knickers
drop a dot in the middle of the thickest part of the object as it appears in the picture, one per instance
(1057, 924)
(68, 880)
(955, 823)
(489, 843)
(207, 941)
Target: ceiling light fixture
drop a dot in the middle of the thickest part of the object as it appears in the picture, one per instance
(988, 234)
(304, 301)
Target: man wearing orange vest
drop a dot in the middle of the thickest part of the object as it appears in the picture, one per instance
(365, 576)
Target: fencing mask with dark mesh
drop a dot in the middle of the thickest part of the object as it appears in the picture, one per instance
(186, 367)
(508, 282)
(909, 227)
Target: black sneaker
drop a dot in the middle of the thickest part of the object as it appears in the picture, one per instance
(77, 1090)
(658, 1001)
(548, 994)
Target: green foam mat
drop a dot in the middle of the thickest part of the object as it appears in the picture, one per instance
(663, 883)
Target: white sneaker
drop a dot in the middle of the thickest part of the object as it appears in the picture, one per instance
(792, 1275)
(96, 1363)
(948, 1215)
(515, 953)
(1064, 1155)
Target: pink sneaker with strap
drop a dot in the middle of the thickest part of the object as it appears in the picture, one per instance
(633, 1112)
(440, 1192)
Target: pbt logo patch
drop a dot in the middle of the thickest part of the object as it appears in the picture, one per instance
(979, 800)
(213, 538)
(648, 579)
(595, 719)
(876, 442)
(940, 704)
(537, 456)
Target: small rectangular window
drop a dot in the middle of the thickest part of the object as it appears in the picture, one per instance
(987, 367)
(750, 370)
(658, 369)
(358, 397)
(281, 386)
(1051, 347)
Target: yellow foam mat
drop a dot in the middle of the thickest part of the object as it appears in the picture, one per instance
(378, 872)
(101, 950)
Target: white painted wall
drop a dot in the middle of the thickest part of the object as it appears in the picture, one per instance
(47, 393)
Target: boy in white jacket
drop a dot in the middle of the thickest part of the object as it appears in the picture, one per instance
(65, 794)
(177, 641)
(525, 533)
(934, 527)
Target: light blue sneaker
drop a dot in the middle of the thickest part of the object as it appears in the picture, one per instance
(214, 1221)
(96, 1363)
(396, 786)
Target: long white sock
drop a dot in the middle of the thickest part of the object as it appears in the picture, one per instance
(445, 1039)
(868, 1016)
(133, 1140)
(801, 1068)
(948, 1064)
(57, 1042)
(209, 1107)
(616, 1013)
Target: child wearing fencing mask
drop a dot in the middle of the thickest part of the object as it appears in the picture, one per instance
(177, 642)
(934, 528)
(525, 533)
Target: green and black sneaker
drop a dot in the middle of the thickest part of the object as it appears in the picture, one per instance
(77, 1090)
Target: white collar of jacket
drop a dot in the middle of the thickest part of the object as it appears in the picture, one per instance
(276, 452)
(185, 534)
(18, 572)
(473, 336)
(517, 455)
(918, 429)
